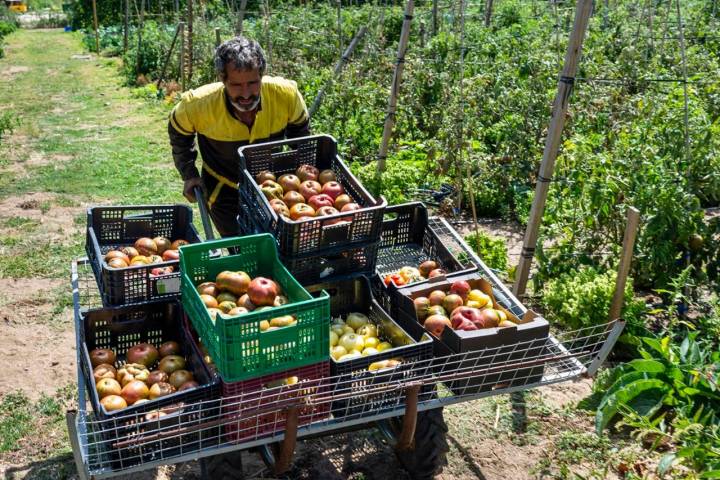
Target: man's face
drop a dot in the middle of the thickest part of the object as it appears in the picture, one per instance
(243, 88)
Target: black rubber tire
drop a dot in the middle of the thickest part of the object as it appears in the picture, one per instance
(430, 454)
(226, 466)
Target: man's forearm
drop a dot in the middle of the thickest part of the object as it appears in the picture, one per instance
(299, 130)
(184, 153)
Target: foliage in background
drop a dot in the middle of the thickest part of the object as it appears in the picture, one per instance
(582, 299)
(8, 24)
(669, 397)
(492, 251)
(624, 140)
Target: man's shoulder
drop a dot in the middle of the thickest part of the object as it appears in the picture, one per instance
(279, 85)
(206, 93)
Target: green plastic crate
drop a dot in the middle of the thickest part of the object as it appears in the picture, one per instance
(238, 347)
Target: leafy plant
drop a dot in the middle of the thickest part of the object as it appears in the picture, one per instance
(8, 122)
(492, 251)
(671, 394)
(582, 298)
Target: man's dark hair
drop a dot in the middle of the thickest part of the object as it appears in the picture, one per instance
(242, 53)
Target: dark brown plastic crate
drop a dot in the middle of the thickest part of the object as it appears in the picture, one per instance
(408, 240)
(121, 328)
(513, 347)
(113, 227)
(354, 295)
(307, 236)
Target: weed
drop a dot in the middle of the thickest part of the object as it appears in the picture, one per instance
(15, 420)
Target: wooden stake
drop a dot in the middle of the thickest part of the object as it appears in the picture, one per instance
(338, 68)
(217, 37)
(488, 12)
(241, 17)
(606, 14)
(552, 142)
(126, 26)
(140, 31)
(189, 44)
(95, 26)
(434, 17)
(685, 83)
(181, 27)
(268, 42)
(395, 88)
(339, 27)
(633, 219)
(167, 57)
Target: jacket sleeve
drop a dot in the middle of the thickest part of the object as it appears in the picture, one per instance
(299, 124)
(182, 140)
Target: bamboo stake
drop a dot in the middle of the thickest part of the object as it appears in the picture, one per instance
(488, 12)
(338, 68)
(181, 26)
(95, 26)
(189, 45)
(126, 26)
(633, 219)
(140, 31)
(685, 83)
(339, 27)
(552, 143)
(392, 102)
(167, 57)
(434, 17)
(268, 42)
(241, 17)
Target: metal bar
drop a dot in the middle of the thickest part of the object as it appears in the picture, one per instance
(617, 328)
(70, 420)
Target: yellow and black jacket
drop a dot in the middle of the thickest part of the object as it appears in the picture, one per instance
(207, 113)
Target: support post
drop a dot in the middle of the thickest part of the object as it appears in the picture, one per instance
(392, 102)
(339, 26)
(181, 27)
(287, 447)
(140, 32)
(126, 26)
(683, 54)
(434, 17)
(217, 37)
(406, 439)
(241, 17)
(189, 43)
(167, 57)
(488, 12)
(338, 68)
(631, 226)
(606, 14)
(552, 142)
(95, 26)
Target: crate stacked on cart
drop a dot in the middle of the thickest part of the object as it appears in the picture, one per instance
(267, 337)
(134, 253)
(324, 221)
(152, 395)
(371, 351)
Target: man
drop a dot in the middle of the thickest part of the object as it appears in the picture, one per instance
(244, 107)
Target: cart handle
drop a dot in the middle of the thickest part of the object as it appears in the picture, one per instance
(202, 206)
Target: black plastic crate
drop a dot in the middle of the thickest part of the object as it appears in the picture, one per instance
(407, 239)
(510, 352)
(136, 434)
(354, 295)
(360, 227)
(110, 228)
(321, 266)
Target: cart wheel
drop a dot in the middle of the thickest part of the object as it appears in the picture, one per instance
(429, 456)
(225, 466)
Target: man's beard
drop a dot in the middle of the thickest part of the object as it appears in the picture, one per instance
(246, 108)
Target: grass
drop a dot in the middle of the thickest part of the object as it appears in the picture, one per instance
(100, 146)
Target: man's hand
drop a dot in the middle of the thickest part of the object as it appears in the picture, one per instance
(189, 188)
